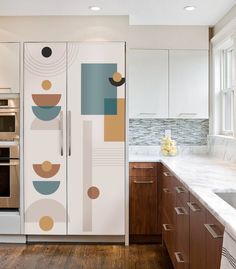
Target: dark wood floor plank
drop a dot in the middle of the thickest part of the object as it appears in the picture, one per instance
(75, 256)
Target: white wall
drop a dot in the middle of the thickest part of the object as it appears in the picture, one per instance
(112, 28)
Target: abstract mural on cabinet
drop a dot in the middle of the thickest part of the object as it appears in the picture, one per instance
(74, 95)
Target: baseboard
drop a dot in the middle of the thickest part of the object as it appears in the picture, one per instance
(76, 238)
(16, 239)
(145, 239)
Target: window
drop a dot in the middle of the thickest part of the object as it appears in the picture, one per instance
(227, 84)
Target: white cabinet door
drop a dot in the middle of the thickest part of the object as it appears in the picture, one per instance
(188, 88)
(148, 84)
(96, 135)
(44, 138)
(9, 67)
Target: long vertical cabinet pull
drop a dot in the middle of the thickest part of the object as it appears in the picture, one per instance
(61, 133)
(45, 181)
(69, 131)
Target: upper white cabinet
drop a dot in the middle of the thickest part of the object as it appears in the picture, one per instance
(9, 67)
(188, 84)
(148, 84)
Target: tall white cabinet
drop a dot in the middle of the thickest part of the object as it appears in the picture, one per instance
(188, 84)
(74, 138)
(148, 83)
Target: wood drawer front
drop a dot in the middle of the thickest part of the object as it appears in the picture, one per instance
(168, 233)
(197, 240)
(143, 169)
(143, 206)
(214, 241)
(168, 203)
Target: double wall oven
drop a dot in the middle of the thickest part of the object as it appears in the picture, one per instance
(9, 153)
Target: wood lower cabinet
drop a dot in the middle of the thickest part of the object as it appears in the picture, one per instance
(144, 203)
(197, 241)
(192, 236)
(214, 241)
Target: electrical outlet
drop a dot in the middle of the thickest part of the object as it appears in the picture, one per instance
(167, 133)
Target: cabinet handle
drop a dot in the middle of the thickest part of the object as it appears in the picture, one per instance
(165, 190)
(180, 190)
(167, 174)
(143, 181)
(187, 114)
(69, 131)
(180, 211)
(167, 227)
(194, 207)
(140, 167)
(210, 229)
(179, 257)
(61, 129)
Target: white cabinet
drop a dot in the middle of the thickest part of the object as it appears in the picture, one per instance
(9, 67)
(188, 84)
(148, 84)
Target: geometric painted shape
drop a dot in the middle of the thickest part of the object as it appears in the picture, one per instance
(87, 174)
(117, 77)
(46, 99)
(46, 166)
(110, 106)
(93, 192)
(46, 187)
(114, 126)
(45, 125)
(46, 113)
(95, 87)
(117, 84)
(45, 207)
(46, 52)
(46, 223)
(46, 85)
(46, 174)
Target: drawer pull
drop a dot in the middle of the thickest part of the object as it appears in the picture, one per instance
(167, 174)
(143, 181)
(210, 229)
(179, 257)
(165, 190)
(194, 207)
(167, 227)
(140, 167)
(180, 211)
(180, 190)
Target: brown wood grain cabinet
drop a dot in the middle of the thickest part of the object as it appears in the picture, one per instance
(197, 241)
(192, 236)
(214, 241)
(144, 202)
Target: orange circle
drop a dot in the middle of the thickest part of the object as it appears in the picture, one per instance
(93, 192)
(46, 223)
(117, 77)
(46, 85)
(46, 166)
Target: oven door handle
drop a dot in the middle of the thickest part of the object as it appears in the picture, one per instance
(11, 163)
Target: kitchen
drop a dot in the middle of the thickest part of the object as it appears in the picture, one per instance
(117, 135)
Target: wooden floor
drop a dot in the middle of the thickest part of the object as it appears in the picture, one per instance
(68, 256)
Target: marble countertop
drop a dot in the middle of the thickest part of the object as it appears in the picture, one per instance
(203, 176)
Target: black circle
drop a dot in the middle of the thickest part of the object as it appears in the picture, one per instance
(46, 52)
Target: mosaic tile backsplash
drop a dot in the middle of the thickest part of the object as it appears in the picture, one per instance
(148, 132)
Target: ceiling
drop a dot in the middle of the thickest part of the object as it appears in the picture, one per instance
(141, 12)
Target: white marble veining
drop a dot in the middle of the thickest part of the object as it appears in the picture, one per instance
(222, 147)
(202, 175)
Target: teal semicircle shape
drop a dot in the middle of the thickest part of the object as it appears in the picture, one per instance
(46, 113)
(46, 187)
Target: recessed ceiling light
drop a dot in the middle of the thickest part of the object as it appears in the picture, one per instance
(189, 8)
(94, 8)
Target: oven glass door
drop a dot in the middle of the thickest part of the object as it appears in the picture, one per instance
(9, 184)
(9, 125)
